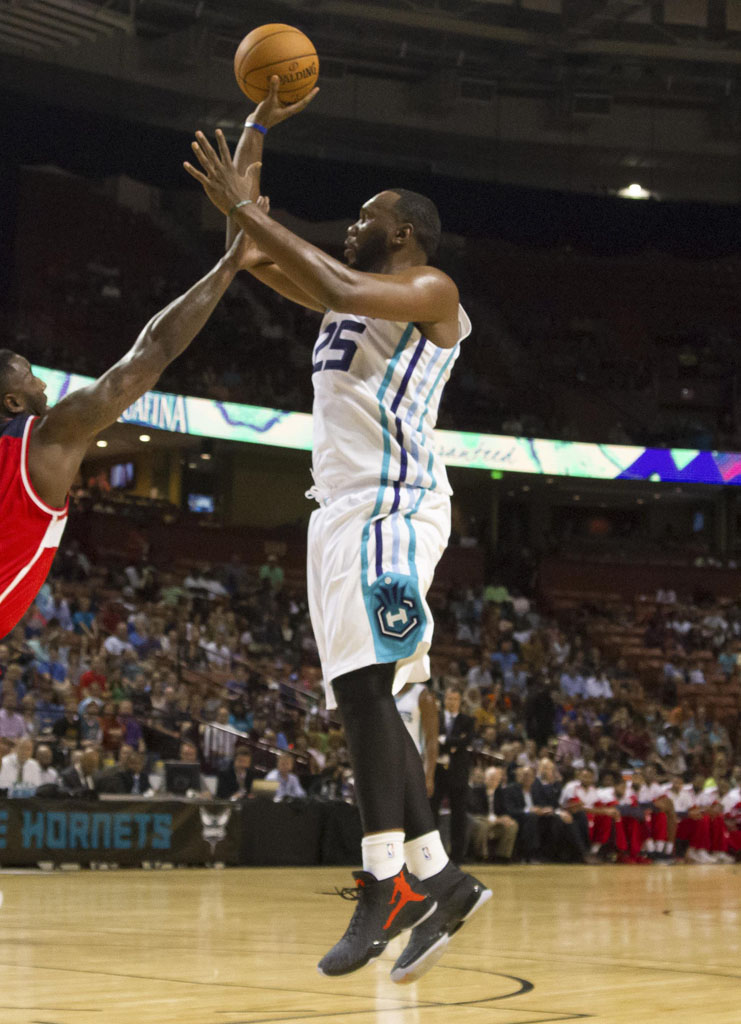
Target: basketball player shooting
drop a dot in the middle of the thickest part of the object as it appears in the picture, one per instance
(41, 449)
(391, 332)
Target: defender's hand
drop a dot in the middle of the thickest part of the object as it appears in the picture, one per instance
(221, 181)
(270, 111)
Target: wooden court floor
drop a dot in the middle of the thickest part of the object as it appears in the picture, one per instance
(239, 946)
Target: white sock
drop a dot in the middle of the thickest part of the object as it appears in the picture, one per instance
(668, 847)
(650, 846)
(383, 854)
(659, 845)
(595, 847)
(426, 855)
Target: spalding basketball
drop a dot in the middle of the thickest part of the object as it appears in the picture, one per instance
(276, 50)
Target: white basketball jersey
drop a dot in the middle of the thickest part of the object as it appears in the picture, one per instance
(377, 389)
(408, 707)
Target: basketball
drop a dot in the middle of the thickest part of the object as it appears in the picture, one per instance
(276, 50)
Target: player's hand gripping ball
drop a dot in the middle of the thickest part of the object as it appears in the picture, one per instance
(276, 50)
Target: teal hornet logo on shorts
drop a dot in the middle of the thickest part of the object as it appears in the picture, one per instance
(395, 604)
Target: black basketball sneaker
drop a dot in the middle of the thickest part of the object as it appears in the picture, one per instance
(458, 897)
(384, 910)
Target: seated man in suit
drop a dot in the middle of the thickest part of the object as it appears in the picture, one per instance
(133, 775)
(83, 774)
(493, 832)
(235, 781)
(534, 827)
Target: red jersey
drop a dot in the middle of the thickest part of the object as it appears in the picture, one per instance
(30, 530)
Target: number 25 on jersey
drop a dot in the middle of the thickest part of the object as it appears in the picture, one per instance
(335, 348)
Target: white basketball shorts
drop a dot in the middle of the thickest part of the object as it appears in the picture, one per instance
(370, 564)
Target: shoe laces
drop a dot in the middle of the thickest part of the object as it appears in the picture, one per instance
(349, 892)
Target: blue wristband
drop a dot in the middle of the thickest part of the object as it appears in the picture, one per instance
(259, 127)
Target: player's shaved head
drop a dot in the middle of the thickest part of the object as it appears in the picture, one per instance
(8, 374)
(421, 213)
(20, 390)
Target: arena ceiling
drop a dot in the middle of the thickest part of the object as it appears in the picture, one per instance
(574, 94)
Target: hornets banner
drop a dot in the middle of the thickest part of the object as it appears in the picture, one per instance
(205, 417)
(124, 832)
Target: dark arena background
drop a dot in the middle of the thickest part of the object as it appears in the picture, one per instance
(585, 156)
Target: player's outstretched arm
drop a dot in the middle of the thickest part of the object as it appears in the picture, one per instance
(248, 154)
(419, 294)
(62, 435)
(266, 115)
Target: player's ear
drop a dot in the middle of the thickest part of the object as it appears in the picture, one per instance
(403, 233)
(11, 403)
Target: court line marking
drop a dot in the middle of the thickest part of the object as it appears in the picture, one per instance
(524, 987)
(612, 965)
(556, 1018)
(204, 984)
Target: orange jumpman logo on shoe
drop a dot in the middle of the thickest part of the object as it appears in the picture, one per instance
(403, 894)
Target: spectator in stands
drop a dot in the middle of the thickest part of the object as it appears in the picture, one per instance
(131, 730)
(112, 733)
(20, 768)
(82, 775)
(118, 642)
(83, 619)
(534, 831)
(569, 747)
(30, 718)
(271, 574)
(288, 784)
(132, 774)
(94, 676)
(571, 682)
(12, 724)
(48, 775)
(479, 675)
(493, 831)
(597, 686)
(91, 728)
(141, 639)
(240, 717)
(505, 659)
(53, 605)
(235, 781)
(13, 681)
(76, 666)
(66, 729)
(330, 782)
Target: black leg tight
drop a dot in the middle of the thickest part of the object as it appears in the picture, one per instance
(389, 778)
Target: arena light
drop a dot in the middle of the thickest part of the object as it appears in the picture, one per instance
(144, 438)
(101, 444)
(634, 191)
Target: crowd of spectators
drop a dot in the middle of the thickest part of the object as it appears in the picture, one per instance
(115, 672)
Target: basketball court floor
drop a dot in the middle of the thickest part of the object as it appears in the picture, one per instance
(240, 946)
